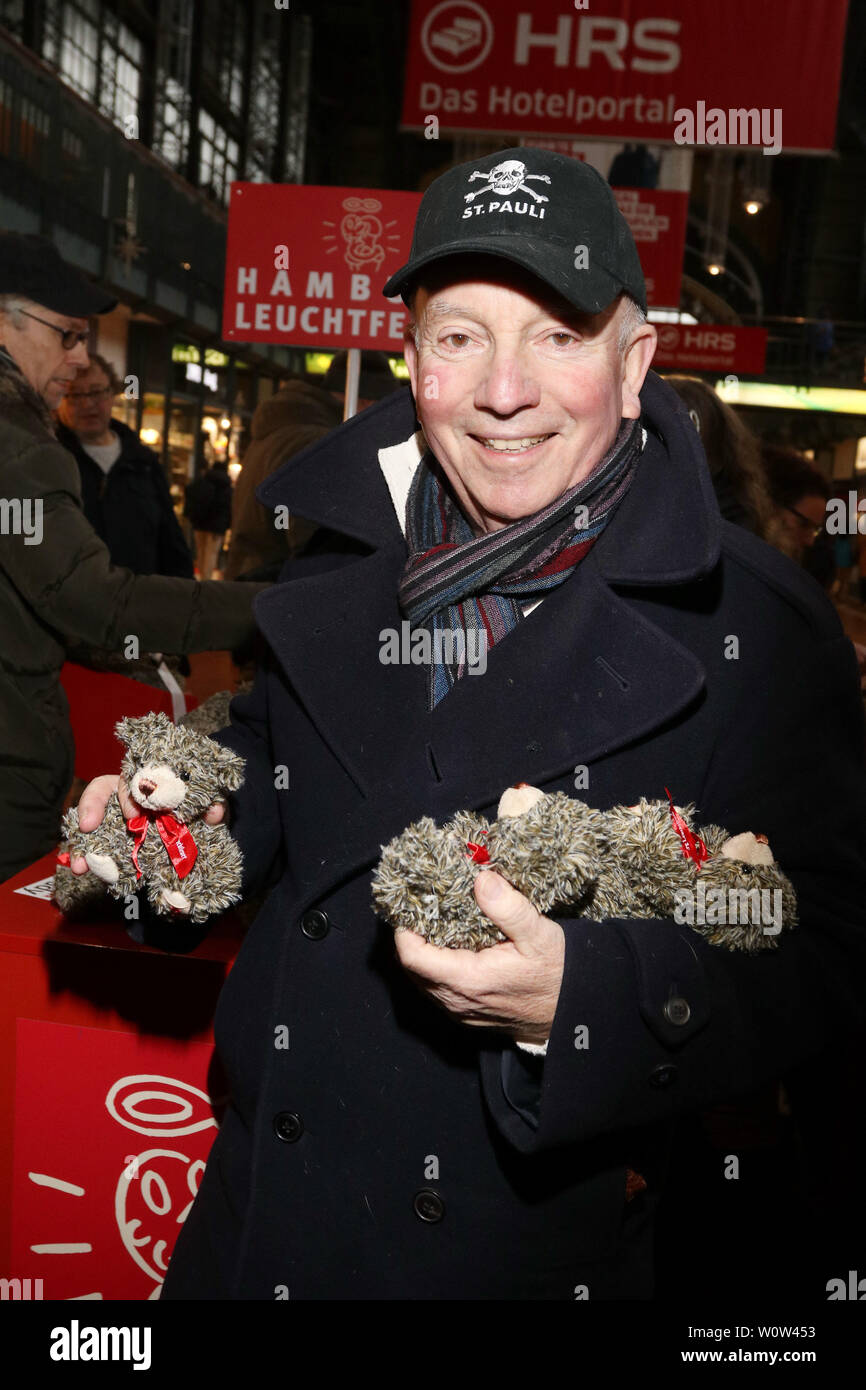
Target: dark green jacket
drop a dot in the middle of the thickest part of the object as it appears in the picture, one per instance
(58, 587)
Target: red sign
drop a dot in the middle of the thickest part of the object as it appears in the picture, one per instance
(711, 347)
(657, 219)
(306, 265)
(112, 1132)
(622, 71)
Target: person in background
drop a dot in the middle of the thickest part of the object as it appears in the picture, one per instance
(845, 557)
(822, 338)
(734, 456)
(634, 167)
(799, 493)
(297, 415)
(208, 507)
(124, 489)
(58, 587)
(293, 417)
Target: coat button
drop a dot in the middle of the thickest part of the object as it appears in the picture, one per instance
(315, 924)
(428, 1205)
(288, 1126)
(677, 1010)
(662, 1076)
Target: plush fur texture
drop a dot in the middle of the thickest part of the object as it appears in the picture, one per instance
(213, 713)
(167, 768)
(626, 862)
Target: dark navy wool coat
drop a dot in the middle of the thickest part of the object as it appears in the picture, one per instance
(391, 1152)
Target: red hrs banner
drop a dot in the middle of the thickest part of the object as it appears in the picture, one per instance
(621, 70)
(112, 1133)
(305, 265)
(711, 347)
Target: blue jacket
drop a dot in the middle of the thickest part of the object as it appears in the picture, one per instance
(389, 1151)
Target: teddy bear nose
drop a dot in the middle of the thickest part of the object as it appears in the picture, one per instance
(146, 787)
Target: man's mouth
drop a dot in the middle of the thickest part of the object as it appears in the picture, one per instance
(513, 446)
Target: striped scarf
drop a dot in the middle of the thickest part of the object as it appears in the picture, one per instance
(455, 582)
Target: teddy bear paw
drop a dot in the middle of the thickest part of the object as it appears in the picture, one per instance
(103, 866)
(172, 898)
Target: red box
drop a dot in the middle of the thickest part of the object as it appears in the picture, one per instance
(110, 1080)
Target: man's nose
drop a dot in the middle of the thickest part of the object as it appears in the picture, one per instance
(508, 384)
(78, 356)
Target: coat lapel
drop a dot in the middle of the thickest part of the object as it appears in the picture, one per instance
(583, 675)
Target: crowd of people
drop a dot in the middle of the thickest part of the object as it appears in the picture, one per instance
(112, 533)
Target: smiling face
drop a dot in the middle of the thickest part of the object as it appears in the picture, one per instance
(518, 394)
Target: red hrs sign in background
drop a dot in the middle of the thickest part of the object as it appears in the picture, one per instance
(711, 347)
(305, 265)
(617, 70)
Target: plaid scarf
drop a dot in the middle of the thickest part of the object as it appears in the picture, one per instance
(455, 582)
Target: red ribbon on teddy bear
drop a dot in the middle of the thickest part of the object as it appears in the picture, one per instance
(182, 848)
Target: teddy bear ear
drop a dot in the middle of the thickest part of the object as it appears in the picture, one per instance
(753, 849)
(515, 800)
(231, 769)
(124, 729)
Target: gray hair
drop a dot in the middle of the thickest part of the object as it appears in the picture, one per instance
(12, 304)
(633, 317)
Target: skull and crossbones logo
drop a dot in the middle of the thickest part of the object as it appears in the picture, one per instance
(508, 177)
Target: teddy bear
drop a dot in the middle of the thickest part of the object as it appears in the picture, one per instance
(186, 865)
(646, 860)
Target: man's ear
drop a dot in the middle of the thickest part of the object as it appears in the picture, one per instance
(636, 357)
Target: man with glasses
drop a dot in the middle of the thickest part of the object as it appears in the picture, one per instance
(124, 489)
(58, 586)
(799, 493)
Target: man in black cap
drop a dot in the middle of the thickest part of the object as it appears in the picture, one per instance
(408, 1122)
(58, 588)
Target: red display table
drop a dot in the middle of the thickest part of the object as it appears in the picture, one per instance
(97, 699)
(111, 1093)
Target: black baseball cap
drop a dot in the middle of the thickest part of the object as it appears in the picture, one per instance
(554, 216)
(33, 267)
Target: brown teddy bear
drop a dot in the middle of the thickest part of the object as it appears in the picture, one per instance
(186, 865)
(631, 861)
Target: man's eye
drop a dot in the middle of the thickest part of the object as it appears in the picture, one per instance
(456, 340)
(561, 338)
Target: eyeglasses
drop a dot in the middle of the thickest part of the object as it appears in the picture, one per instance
(69, 337)
(96, 395)
(806, 522)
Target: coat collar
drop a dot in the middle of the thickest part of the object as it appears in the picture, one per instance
(662, 534)
(19, 402)
(583, 675)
